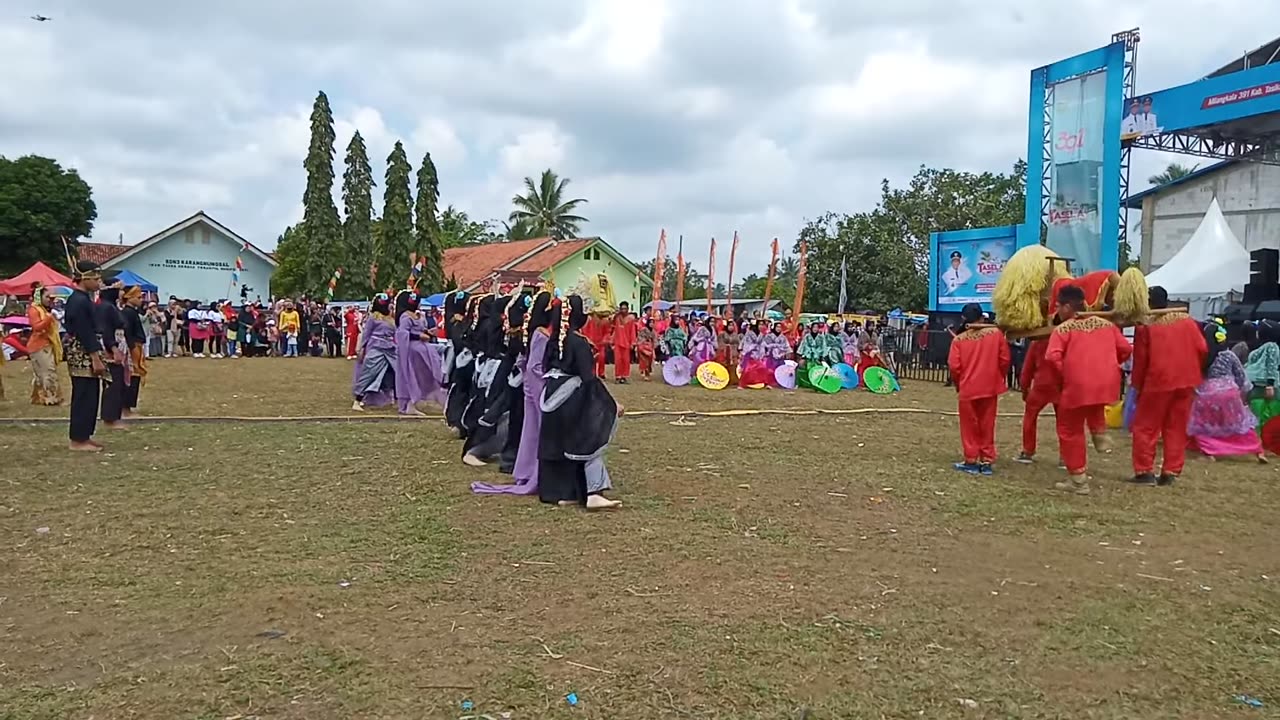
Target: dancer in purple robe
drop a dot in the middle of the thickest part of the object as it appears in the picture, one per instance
(777, 349)
(374, 379)
(702, 346)
(418, 359)
(532, 365)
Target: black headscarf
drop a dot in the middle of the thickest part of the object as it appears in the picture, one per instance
(381, 304)
(406, 301)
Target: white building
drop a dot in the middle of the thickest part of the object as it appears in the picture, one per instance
(193, 259)
(1248, 193)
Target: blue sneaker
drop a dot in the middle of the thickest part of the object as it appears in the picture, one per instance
(986, 469)
(968, 468)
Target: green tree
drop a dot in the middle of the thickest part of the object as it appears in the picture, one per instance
(881, 270)
(290, 276)
(40, 203)
(357, 227)
(427, 225)
(545, 211)
(520, 230)
(457, 229)
(396, 239)
(1175, 171)
(321, 228)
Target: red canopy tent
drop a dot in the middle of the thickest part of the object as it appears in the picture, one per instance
(20, 285)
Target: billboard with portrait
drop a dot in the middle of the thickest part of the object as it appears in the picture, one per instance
(964, 265)
(1205, 102)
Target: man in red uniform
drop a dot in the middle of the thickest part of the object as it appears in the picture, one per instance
(351, 328)
(979, 361)
(1168, 358)
(596, 331)
(1041, 387)
(624, 338)
(1087, 353)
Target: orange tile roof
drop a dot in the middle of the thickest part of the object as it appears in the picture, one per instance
(473, 263)
(101, 252)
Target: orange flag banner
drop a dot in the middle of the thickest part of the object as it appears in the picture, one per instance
(679, 277)
(768, 284)
(659, 267)
(804, 267)
(711, 275)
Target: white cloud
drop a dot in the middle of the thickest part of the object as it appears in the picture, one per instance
(701, 117)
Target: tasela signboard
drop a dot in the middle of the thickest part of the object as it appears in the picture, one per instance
(177, 264)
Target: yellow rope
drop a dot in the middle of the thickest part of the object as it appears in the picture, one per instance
(741, 412)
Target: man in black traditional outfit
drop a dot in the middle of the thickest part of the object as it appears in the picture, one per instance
(83, 352)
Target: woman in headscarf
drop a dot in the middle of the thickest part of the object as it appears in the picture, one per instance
(417, 357)
(674, 339)
(45, 349)
(374, 379)
(646, 348)
(1221, 424)
(579, 418)
(816, 347)
(753, 371)
(777, 349)
(485, 343)
(728, 348)
(487, 437)
(534, 336)
(1263, 371)
(850, 347)
(702, 346)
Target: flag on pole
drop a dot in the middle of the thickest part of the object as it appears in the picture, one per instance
(768, 284)
(733, 252)
(800, 277)
(711, 275)
(680, 272)
(659, 268)
(235, 272)
(844, 293)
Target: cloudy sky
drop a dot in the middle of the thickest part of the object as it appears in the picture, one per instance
(701, 116)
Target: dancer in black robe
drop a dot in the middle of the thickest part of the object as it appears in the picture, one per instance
(579, 418)
(504, 404)
(486, 343)
(458, 368)
(111, 328)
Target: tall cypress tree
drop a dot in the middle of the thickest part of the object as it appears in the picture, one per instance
(397, 221)
(427, 225)
(321, 228)
(357, 227)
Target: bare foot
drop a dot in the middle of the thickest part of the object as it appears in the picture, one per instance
(600, 502)
(357, 406)
(84, 447)
(1262, 459)
(566, 503)
(413, 412)
(117, 425)
(472, 460)
(95, 443)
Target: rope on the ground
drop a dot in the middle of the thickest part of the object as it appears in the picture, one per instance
(741, 412)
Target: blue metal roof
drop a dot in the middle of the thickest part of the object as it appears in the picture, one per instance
(1134, 201)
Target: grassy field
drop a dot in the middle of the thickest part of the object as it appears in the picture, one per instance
(763, 567)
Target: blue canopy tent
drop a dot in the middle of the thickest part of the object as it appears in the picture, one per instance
(436, 300)
(129, 277)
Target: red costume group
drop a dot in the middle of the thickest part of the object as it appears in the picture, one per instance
(1077, 370)
(618, 331)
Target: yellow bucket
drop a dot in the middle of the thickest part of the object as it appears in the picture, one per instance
(1115, 415)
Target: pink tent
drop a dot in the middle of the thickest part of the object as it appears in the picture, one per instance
(20, 285)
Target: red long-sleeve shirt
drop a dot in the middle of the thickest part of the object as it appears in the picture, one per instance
(625, 328)
(979, 361)
(595, 331)
(1168, 354)
(1037, 374)
(1087, 353)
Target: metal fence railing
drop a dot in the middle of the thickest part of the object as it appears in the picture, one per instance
(920, 353)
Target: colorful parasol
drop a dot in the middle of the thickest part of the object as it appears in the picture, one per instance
(848, 375)
(786, 376)
(712, 376)
(879, 381)
(824, 379)
(677, 371)
(1271, 436)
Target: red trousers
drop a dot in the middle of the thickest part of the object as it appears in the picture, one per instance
(1071, 423)
(1161, 415)
(600, 358)
(1036, 401)
(621, 361)
(978, 429)
(352, 341)
(646, 364)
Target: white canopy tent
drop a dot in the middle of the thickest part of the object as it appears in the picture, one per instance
(1211, 269)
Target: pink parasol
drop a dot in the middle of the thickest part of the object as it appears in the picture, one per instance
(677, 371)
(786, 376)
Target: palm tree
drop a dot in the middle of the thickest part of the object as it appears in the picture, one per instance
(1175, 171)
(543, 211)
(788, 270)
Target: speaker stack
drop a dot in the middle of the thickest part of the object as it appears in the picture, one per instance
(1264, 277)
